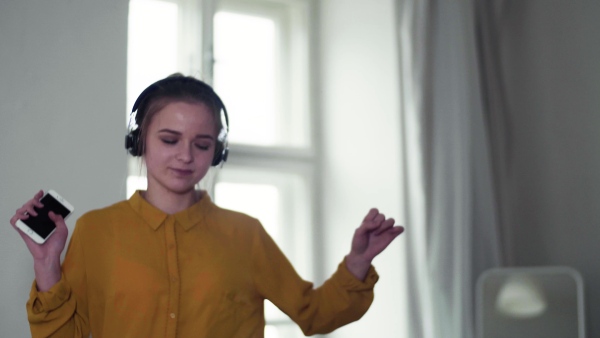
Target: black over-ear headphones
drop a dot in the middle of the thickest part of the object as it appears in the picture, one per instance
(164, 88)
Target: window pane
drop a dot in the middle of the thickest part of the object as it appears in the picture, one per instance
(271, 332)
(244, 74)
(283, 330)
(136, 183)
(152, 44)
(258, 200)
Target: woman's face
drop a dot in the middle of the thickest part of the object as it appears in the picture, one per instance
(180, 144)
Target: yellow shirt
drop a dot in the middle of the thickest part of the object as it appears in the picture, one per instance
(132, 270)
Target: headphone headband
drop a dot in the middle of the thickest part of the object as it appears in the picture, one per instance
(160, 84)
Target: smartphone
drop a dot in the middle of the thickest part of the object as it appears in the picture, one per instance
(40, 227)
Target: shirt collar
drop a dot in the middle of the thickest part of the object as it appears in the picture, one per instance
(155, 217)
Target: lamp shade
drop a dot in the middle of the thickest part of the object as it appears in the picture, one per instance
(521, 297)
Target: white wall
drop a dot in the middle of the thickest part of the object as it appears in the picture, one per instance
(552, 65)
(360, 114)
(62, 121)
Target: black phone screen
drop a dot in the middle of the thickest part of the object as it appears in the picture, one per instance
(42, 224)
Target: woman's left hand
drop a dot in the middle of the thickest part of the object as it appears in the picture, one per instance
(370, 239)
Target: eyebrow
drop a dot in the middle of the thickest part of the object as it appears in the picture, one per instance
(174, 132)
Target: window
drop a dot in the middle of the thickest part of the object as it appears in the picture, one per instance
(256, 55)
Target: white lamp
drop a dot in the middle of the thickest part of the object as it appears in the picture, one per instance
(521, 297)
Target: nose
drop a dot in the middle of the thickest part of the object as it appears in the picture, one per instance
(185, 153)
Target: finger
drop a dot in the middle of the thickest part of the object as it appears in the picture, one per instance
(21, 213)
(15, 218)
(30, 206)
(379, 219)
(38, 195)
(13, 222)
(22, 210)
(396, 230)
(371, 215)
(57, 219)
(54, 217)
(28, 209)
(35, 201)
(25, 237)
(390, 235)
(385, 225)
(373, 224)
(368, 227)
(393, 232)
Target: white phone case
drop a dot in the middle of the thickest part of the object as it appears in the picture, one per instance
(32, 233)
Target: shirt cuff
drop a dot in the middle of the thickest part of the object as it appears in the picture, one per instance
(349, 282)
(51, 299)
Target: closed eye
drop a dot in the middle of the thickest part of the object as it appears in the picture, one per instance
(203, 146)
(168, 141)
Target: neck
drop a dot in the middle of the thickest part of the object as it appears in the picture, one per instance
(170, 202)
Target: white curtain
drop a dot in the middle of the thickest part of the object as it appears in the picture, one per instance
(452, 213)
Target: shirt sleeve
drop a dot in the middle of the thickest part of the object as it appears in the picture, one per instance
(342, 299)
(62, 310)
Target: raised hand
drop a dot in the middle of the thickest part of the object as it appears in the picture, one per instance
(46, 256)
(370, 239)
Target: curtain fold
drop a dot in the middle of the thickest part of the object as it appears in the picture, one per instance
(451, 203)
(489, 17)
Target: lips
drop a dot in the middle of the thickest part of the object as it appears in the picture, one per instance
(182, 172)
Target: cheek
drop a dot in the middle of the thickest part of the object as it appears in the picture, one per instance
(203, 160)
(154, 154)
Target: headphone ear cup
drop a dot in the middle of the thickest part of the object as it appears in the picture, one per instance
(132, 142)
(218, 157)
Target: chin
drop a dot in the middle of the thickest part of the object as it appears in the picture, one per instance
(182, 189)
(186, 189)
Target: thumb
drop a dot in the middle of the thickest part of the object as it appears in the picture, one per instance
(57, 219)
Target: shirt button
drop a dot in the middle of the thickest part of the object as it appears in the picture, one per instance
(173, 279)
(172, 315)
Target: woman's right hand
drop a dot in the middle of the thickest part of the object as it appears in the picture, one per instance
(46, 256)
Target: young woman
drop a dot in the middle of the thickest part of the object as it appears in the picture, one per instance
(170, 263)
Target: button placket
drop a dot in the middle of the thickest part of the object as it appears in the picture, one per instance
(173, 276)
